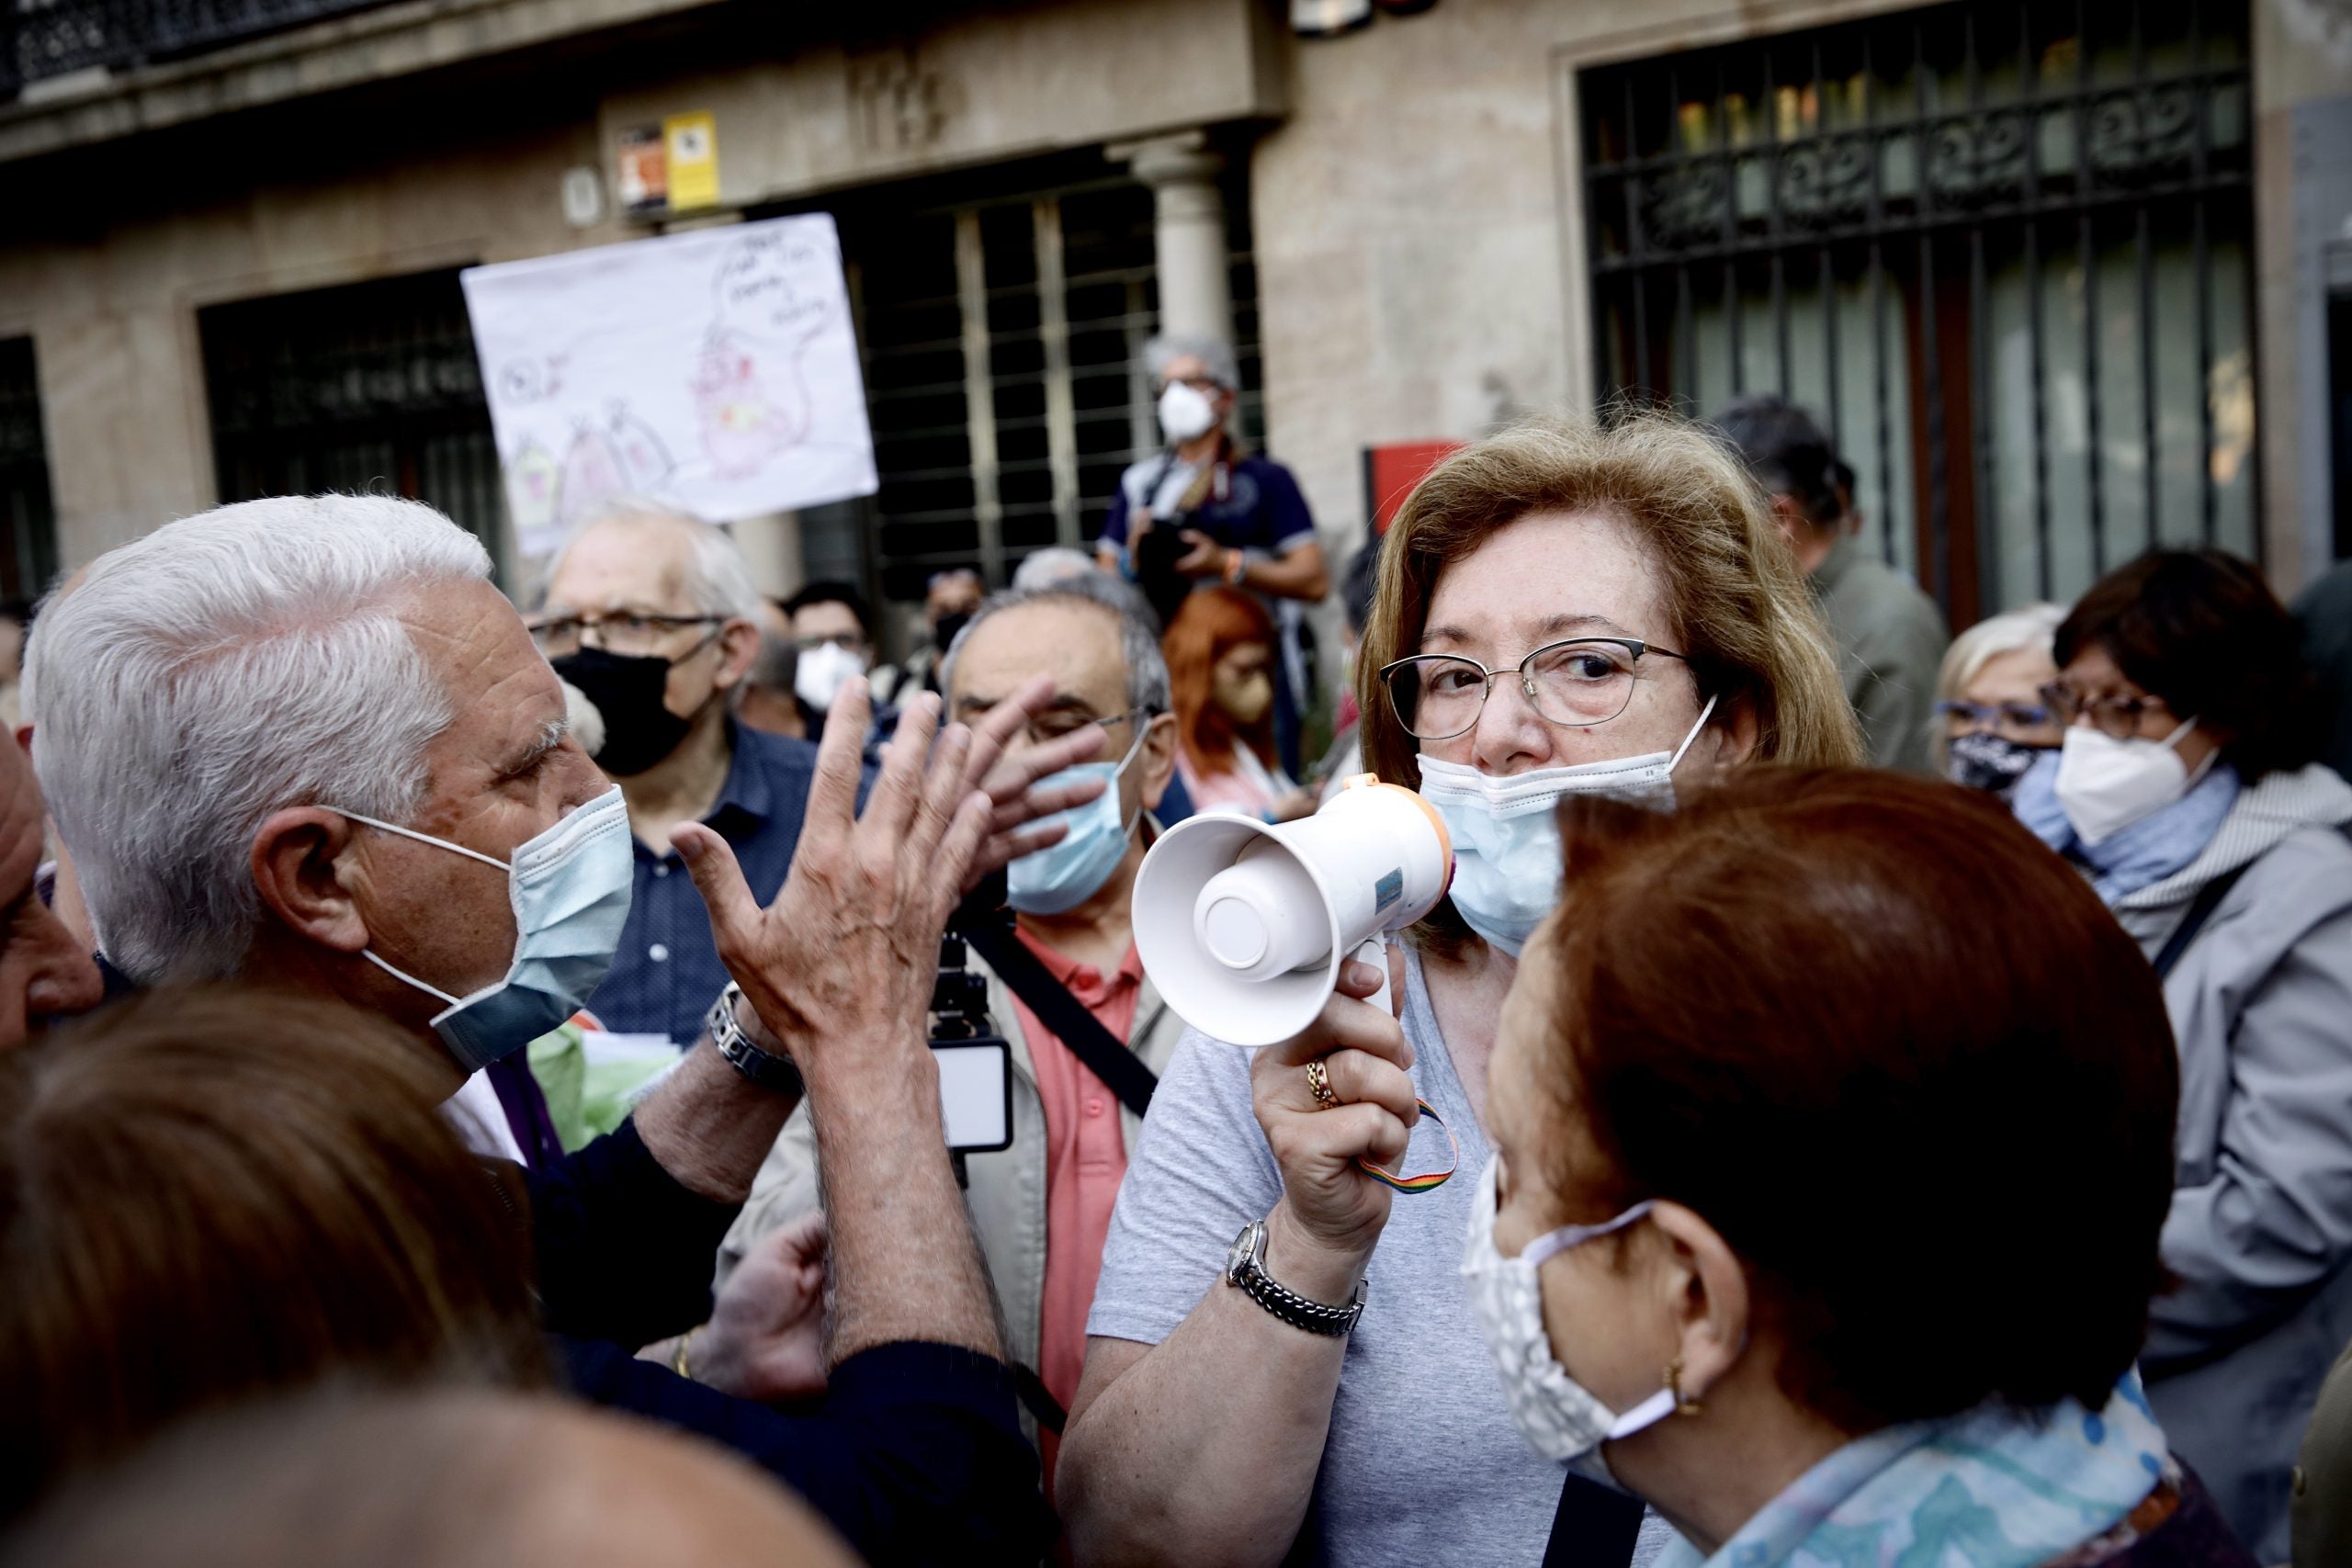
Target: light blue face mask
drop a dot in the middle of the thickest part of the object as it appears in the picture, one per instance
(1063, 875)
(569, 890)
(1507, 841)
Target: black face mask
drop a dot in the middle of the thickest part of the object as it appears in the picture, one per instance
(942, 635)
(640, 729)
(1982, 760)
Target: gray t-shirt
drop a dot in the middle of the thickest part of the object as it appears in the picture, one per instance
(1423, 1463)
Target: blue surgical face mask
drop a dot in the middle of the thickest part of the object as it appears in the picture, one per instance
(1507, 841)
(569, 890)
(1063, 875)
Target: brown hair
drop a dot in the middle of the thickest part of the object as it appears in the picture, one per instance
(2200, 629)
(1210, 624)
(1739, 609)
(1926, 1092)
(210, 1194)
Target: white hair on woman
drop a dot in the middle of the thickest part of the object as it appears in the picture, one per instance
(222, 667)
(2031, 628)
(718, 577)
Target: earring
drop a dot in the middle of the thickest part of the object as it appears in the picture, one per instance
(1674, 1386)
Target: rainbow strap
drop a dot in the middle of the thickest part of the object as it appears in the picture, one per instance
(1428, 1181)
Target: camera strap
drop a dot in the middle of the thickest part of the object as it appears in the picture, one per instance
(1098, 1050)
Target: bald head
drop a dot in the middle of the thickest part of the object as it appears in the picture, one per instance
(451, 1479)
(648, 559)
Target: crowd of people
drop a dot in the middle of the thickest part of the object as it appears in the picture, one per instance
(467, 1091)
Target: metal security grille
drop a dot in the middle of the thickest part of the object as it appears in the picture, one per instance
(1004, 342)
(49, 37)
(372, 386)
(2002, 250)
(28, 552)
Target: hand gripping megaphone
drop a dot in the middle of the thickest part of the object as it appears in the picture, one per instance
(1243, 926)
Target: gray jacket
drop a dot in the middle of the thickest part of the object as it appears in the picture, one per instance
(2261, 1227)
(1891, 642)
(1007, 1195)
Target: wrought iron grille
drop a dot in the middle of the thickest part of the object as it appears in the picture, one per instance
(49, 37)
(368, 386)
(2002, 250)
(28, 552)
(1003, 332)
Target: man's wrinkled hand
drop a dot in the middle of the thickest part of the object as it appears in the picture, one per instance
(765, 1339)
(840, 967)
(1006, 778)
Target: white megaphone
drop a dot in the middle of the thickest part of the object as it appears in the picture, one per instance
(1243, 926)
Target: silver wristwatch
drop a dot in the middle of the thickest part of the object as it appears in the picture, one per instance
(778, 1075)
(1245, 1269)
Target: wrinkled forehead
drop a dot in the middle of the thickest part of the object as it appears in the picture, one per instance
(1077, 645)
(626, 564)
(1549, 575)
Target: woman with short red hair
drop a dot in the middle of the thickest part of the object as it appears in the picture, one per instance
(1843, 1253)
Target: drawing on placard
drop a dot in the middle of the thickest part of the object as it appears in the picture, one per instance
(715, 371)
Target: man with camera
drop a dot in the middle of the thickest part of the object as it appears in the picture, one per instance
(1204, 511)
(1064, 983)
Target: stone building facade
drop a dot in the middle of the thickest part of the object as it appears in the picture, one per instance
(2069, 296)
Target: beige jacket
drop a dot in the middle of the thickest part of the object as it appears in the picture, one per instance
(1007, 1195)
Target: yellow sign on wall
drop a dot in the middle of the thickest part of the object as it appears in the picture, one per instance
(691, 143)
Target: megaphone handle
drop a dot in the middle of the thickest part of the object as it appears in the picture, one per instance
(1375, 951)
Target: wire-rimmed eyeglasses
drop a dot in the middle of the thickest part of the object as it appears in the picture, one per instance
(1580, 682)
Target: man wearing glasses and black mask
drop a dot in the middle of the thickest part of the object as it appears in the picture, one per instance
(653, 616)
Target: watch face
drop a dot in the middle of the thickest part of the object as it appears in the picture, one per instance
(1238, 1254)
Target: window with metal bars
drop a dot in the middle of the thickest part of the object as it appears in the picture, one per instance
(2003, 252)
(370, 387)
(29, 554)
(1003, 320)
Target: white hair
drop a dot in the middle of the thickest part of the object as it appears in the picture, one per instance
(1213, 352)
(1050, 564)
(222, 667)
(718, 577)
(2033, 628)
(1148, 687)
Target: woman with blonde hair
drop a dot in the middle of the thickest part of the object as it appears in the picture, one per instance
(1561, 611)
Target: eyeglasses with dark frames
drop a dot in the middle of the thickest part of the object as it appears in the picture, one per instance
(627, 632)
(1577, 683)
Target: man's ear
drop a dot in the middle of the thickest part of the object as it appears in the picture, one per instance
(1157, 760)
(299, 866)
(1707, 1297)
(739, 643)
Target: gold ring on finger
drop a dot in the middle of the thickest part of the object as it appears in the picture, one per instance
(1318, 1080)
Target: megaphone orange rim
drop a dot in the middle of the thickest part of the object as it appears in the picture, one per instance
(1444, 838)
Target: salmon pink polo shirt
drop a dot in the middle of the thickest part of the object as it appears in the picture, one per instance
(1086, 1156)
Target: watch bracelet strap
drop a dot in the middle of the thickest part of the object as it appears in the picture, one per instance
(765, 1068)
(1299, 1311)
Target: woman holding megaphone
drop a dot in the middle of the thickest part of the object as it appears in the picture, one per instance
(1281, 1355)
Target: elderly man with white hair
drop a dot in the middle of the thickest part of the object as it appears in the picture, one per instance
(305, 742)
(654, 616)
(1204, 511)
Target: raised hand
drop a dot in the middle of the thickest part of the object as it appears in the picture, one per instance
(845, 956)
(1006, 778)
